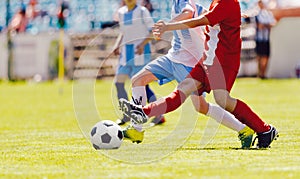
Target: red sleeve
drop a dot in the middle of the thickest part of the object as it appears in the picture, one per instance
(218, 12)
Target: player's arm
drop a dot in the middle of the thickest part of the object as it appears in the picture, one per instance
(186, 14)
(148, 21)
(140, 47)
(160, 27)
(116, 49)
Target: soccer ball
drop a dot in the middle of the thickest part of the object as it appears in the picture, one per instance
(106, 134)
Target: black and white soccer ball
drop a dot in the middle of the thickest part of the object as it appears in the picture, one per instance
(106, 134)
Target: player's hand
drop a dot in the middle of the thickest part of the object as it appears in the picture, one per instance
(139, 49)
(158, 29)
(244, 15)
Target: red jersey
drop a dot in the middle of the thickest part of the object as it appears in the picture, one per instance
(223, 41)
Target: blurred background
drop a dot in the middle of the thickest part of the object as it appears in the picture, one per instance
(37, 34)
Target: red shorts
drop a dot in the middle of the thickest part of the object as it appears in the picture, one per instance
(213, 77)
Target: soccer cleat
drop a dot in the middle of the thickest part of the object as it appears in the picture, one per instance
(134, 135)
(158, 121)
(245, 136)
(133, 111)
(122, 121)
(266, 138)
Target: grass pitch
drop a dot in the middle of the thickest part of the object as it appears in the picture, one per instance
(40, 136)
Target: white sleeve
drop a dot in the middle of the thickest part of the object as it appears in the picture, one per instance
(118, 14)
(186, 5)
(147, 18)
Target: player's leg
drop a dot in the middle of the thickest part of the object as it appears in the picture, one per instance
(243, 112)
(217, 113)
(140, 114)
(168, 103)
(137, 114)
(221, 80)
(259, 66)
(150, 94)
(139, 81)
(223, 117)
(151, 98)
(266, 133)
(161, 70)
(141, 92)
(185, 88)
(263, 53)
(262, 61)
(173, 100)
(157, 70)
(119, 81)
(263, 66)
(129, 132)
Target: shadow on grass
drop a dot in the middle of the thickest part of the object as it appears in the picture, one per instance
(214, 148)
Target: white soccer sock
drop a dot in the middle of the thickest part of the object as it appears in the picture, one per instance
(138, 127)
(224, 117)
(138, 92)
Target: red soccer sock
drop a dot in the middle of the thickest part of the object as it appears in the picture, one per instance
(165, 105)
(244, 114)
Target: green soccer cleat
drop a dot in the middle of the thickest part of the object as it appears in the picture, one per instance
(246, 135)
(132, 134)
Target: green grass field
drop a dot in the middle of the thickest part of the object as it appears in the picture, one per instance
(41, 136)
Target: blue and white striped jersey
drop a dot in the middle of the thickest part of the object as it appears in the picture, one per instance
(188, 44)
(135, 26)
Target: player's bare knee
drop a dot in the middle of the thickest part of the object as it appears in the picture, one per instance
(221, 97)
(136, 80)
(199, 103)
(221, 103)
(188, 86)
(197, 106)
(142, 78)
(227, 102)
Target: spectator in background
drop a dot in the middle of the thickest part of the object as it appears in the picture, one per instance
(19, 21)
(31, 10)
(264, 21)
